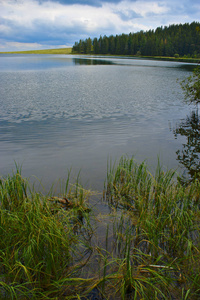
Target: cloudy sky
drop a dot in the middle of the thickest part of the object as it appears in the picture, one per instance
(42, 24)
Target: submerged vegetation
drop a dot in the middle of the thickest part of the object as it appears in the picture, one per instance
(50, 247)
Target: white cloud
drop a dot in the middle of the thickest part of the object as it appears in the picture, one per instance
(19, 46)
(141, 8)
(16, 46)
(29, 13)
(4, 29)
(37, 21)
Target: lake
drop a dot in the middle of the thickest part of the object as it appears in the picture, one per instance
(61, 111)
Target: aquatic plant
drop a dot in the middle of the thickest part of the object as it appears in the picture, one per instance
(43, 245)
(157, 234)
(50, 248)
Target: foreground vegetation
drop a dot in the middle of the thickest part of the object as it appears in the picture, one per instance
(46, 51)
(50, 247)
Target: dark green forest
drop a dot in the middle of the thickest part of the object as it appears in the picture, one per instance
(170, 41)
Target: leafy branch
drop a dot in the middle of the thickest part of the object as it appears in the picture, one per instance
(191, 87)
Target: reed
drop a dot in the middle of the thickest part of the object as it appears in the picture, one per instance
(160, 227)
(49, 246)
(44, 242)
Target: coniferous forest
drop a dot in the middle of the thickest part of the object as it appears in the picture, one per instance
(173, 40)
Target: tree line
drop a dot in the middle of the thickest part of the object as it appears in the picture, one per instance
(173, 40)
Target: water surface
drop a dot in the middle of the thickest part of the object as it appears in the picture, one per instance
(59, 111)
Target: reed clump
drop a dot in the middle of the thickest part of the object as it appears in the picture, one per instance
(157, 235)
(50, 249)
(43, 246)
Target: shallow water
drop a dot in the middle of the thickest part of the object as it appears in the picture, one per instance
(58, 112)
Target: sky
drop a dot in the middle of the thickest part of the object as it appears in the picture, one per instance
(46, 24)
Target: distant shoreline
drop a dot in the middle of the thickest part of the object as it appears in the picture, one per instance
(69, 51)
(45, 51)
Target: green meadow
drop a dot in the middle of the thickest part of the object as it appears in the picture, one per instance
(47, 51)
(146, 246)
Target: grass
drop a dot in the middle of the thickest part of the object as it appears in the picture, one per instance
(47, 51)
(69, 51)
(160, 238)
(43, 243)
(49, 247)
(179, 59)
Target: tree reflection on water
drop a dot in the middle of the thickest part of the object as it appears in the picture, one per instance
(189, 155)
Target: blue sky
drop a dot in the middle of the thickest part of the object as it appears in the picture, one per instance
(42, 24)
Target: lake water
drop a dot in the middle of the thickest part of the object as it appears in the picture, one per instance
(62, 111)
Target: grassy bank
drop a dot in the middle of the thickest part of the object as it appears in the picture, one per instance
(69, 51)
(47, 51)
(50, 247)
(162, 58)
(180, 59)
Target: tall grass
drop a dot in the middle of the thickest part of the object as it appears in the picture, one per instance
(49, 246)
(43, 246)
(161, 232)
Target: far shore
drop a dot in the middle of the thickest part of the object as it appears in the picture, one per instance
(69, 51)
(45, 51)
